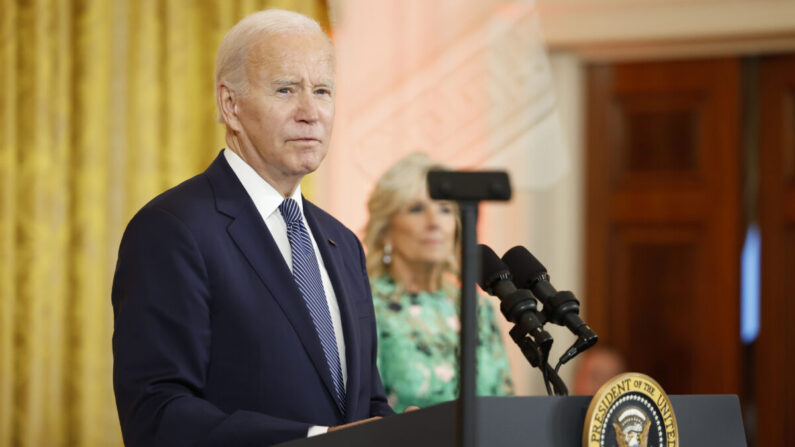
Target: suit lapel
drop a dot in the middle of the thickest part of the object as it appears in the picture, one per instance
(333, 260)
(252, 237)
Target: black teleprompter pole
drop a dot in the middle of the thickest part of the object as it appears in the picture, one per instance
(470, 271)
(468, 189)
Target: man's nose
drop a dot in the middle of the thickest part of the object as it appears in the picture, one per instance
(307, 109)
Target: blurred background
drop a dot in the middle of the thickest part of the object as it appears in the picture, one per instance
(650, 143)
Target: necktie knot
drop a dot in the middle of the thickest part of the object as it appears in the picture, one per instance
(290, 211)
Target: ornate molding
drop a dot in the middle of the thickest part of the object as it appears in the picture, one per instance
(643, 29)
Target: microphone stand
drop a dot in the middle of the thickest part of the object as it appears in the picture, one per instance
(470, 266)
(468, 189)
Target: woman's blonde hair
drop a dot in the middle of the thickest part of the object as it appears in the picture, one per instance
(393, 191)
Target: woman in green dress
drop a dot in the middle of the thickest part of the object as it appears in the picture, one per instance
(413, 246)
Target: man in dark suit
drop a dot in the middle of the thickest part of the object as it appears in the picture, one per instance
(243, 313)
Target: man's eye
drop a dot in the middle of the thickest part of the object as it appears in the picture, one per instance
(323, 91)
(283, 90)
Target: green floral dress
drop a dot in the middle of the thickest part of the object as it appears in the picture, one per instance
(418, 347)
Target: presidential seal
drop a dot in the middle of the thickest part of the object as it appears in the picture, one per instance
(630, 410)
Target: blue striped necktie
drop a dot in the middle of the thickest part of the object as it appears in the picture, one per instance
(307, 276)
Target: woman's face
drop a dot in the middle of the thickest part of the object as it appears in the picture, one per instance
(422, 233)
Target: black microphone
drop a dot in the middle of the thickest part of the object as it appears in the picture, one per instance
(517, 305)
(561, 308)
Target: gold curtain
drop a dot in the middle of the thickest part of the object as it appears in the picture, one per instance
(103, 104)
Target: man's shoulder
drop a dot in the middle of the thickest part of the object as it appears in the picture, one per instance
(184, 212)
(197, 194)
(189, 205)
(191, 196)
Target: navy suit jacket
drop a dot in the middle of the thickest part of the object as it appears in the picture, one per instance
(212, 343)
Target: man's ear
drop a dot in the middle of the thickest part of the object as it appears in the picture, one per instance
(228, 107)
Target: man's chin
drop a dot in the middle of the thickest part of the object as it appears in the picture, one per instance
(309, 162)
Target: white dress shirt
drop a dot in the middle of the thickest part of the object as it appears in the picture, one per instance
(267, 201)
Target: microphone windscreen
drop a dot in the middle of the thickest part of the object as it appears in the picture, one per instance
(490, 266)
(524, 267)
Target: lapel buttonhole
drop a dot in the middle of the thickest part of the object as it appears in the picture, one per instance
(331, 241)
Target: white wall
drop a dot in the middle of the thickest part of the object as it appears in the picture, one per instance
(549, 221)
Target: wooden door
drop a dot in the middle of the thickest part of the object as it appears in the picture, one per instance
(775, 348)
(663, 229)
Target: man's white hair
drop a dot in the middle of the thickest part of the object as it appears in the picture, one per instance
(230, 63)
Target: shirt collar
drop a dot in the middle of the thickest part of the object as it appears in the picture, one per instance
(266, 198)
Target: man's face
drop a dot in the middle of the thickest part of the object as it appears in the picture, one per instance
(285, 118)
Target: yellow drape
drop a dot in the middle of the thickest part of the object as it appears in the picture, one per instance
(103, 104)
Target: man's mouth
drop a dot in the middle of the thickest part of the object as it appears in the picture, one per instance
(304, 140)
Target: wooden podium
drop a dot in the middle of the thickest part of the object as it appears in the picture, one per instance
(704, 420)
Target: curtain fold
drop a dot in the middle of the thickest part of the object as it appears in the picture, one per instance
(103, 105)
